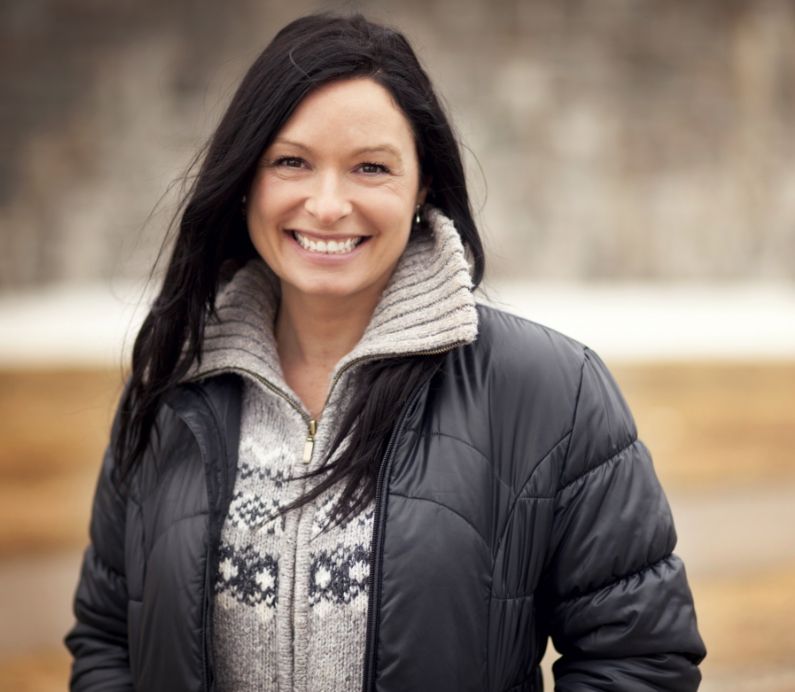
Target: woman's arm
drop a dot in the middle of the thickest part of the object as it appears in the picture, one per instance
(619, 608)
(98, 641)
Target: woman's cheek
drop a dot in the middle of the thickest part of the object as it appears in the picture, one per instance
(274, 192)
(390, 204)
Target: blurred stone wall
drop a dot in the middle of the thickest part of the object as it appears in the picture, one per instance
(610, 139)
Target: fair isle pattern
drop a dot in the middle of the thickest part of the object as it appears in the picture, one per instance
(247, 576)
(322, 519)
(255, 511)
(340, 575)
(292, 588)
(339, 572)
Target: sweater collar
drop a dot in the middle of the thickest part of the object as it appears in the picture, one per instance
(426, 307)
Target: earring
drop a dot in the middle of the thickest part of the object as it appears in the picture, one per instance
(243, 201)
(417, 217)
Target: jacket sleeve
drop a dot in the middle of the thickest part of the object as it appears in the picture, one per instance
(98, 640)
(618, 604)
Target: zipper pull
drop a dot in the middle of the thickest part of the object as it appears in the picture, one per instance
(309, 445)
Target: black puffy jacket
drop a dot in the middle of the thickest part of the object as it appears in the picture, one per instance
(514, 503)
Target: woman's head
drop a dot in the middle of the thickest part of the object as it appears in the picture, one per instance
(335, 195)
(307, 54)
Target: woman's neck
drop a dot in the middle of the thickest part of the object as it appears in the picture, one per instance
(312, 336)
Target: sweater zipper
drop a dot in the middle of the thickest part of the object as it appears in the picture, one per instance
(311, 423)
(309, 445)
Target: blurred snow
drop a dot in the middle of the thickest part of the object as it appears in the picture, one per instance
(96, 325)
(92, 325)
(631, 322)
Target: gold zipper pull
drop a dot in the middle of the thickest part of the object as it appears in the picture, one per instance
(309, 445)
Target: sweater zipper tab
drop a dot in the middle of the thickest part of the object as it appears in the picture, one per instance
(309, 445)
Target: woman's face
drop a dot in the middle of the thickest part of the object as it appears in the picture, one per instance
(332, 203)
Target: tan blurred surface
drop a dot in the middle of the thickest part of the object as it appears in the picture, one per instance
(722, 436)
(53, 425)
(713, 426)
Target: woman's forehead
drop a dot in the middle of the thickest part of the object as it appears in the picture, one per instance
(358, 114)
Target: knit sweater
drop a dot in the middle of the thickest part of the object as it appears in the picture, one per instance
(291, 590)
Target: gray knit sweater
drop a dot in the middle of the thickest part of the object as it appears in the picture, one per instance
(291, 597)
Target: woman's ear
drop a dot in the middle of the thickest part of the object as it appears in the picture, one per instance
(423, 192)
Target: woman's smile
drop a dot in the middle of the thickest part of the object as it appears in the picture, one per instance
(324, 244)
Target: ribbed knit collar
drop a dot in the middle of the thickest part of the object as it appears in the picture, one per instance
(427, 306)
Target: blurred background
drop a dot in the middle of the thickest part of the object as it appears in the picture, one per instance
(632, 165)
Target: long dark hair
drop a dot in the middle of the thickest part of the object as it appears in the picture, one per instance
(212, 235)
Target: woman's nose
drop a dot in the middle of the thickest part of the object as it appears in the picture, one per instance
(327, 202)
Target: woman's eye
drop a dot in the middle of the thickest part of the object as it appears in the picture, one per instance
(372, 168)
(289, 162)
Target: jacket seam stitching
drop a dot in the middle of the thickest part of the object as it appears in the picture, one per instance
(520, 597)
(540, 461)
(612, 458)
(568, 434)
(439, 433)
(171, 526)
(609, 584)
(575, 409)
(115, 573)
(447, 507)
(520, 496)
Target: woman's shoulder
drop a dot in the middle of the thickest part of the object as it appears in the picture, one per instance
(194, 419)
(525, 358)
(517, 371)
(535, 368)
(517, 342)
(516, 347)
(217, 396)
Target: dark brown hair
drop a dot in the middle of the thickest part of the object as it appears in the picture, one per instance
(307, 53)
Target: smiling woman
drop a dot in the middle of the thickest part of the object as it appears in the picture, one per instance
(331, 469)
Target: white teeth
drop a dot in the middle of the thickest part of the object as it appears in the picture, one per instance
(331, 247)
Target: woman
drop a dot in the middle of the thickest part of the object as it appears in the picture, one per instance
(331, 469)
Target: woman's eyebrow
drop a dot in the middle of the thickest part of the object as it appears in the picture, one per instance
(290, 143)
(379, 148)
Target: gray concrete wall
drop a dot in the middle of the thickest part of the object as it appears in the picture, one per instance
(611, 139)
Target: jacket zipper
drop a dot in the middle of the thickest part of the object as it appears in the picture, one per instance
(207, 608)
(376, 553)
(377, 549)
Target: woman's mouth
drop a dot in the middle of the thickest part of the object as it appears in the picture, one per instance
(328, 247)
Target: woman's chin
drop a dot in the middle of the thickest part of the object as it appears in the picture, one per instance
(339, 289)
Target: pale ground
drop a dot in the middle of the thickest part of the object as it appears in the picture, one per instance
(90, 325)
(722, 435)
